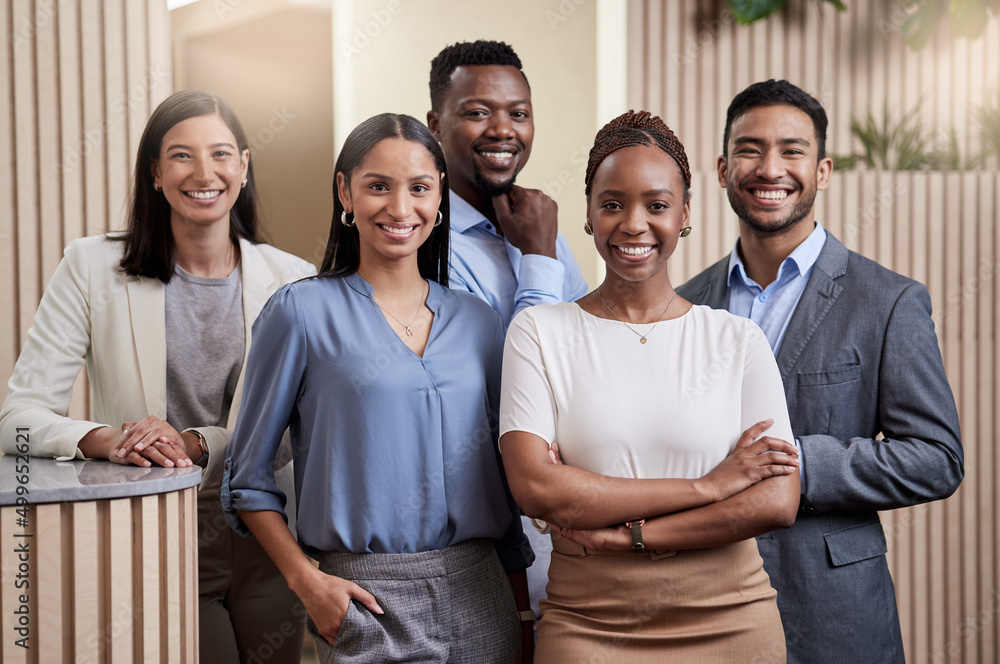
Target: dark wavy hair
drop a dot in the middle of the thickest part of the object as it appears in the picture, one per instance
(149, 243)
(477, 53)
(343, 249)
(775, 93)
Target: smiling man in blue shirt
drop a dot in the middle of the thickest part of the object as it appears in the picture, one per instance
(505, 244)
(505, 241)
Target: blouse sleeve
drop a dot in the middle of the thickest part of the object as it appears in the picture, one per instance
(763, 395)
(526, 400)
(275, 370)
(41, 387)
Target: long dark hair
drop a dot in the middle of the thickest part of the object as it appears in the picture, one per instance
(343, 249)
(149, 243)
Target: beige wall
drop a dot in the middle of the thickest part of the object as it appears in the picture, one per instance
(382, 52)
(270, 59)
(686, 61)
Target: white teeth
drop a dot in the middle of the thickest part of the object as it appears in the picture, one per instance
(397, 230)
(771, 195)
(203, 194)
(498, 155)
(634, 251)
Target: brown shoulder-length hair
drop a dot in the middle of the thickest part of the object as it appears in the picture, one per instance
(343, 249)
(149, 244)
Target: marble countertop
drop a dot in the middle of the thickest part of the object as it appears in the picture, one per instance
(51, 481)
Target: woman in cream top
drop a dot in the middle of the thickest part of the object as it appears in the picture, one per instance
(632, 423)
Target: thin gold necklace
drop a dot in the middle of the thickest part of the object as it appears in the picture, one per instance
(406, 326)
(642, 337)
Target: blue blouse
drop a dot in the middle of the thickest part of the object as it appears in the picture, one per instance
(393, 452)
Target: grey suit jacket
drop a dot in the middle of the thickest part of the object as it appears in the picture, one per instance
(859, 358)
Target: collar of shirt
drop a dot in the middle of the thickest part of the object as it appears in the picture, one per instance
(362, 287)
(772, 307)
(465, 217)
(802, 258)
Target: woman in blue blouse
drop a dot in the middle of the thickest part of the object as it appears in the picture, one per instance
(389, 384)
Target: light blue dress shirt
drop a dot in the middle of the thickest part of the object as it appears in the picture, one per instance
(393, 452)
(772, 307)
(485, 264)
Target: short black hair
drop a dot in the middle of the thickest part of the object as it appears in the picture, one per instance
(775, 93)
(480, 52)
(343, 248)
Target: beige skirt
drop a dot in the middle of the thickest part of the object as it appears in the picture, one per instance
(707, 605)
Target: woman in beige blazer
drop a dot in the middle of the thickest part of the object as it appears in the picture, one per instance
(147, 310)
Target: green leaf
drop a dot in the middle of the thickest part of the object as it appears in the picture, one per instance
(748, 11)
(838, 4)
(968, 18)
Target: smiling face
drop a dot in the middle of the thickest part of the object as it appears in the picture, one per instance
(200, 170)
(772, 172)
(485, 127)
(637, 210)
(394, 195)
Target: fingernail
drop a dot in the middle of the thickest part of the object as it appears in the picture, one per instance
(378, 610)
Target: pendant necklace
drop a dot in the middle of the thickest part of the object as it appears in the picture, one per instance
(642, 337)
(406, 326)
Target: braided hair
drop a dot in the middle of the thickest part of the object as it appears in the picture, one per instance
(632, 129)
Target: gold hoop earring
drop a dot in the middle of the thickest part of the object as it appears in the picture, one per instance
(685, 231)
(587, 229)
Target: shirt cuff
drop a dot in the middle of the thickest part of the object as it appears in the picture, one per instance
(539, 281)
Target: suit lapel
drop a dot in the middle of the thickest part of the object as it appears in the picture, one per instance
(149, 334)
(257, 281)
(818, 297)
(710, 290)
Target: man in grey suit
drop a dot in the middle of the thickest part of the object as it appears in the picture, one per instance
(869, 401)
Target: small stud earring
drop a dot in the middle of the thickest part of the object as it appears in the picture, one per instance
(156, 186)
(244, 183)
(685, 231)
(587, 229)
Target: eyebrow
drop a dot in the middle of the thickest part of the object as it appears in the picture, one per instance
(743, 140)
(380, 176)
(489, 102)
(649, 192)
(178, 146)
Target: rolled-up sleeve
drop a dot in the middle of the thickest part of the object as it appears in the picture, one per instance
(274, 373)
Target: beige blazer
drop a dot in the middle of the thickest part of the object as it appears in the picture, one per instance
(93, 313)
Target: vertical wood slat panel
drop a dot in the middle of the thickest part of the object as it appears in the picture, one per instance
(87, 574)
(48, 583)
(77, 81)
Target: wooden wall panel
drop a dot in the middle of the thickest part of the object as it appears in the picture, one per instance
(78, 78)
(939, 228)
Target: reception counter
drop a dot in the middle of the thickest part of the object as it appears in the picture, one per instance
(99, 562)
